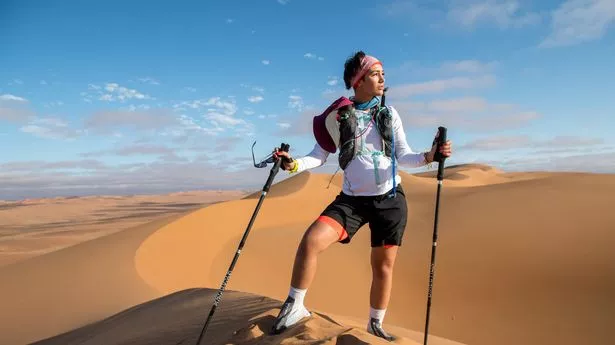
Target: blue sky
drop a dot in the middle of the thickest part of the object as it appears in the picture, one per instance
(144, 97)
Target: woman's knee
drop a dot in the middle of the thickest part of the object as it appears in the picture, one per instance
(382, 265)
(318, 237)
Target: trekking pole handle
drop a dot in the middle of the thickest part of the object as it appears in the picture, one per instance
(438, 156)
(276, 167)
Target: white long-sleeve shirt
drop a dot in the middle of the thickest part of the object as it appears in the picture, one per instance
(370, 172)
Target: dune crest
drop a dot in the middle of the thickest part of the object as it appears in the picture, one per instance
(241, 319)
(473, 175)
(217, 229)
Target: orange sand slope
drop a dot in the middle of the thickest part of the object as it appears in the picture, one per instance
(33, 227)
(522, 259)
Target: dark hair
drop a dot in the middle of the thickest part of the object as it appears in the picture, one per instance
(352, 67)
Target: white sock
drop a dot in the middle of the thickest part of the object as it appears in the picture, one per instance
(377, 314)
(298, 295)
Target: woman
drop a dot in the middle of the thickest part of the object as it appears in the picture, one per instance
(371, 193)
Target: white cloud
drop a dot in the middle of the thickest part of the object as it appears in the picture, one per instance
(51, 128)
(466, 14)
(112, 92)
(300, 124)
(588, 160)
(138, 149)
(477, 122)
(30, 166)
(14, 109)
(464, 104)
(284, 125)
(228, 108)
(454, 68)
(328, 92)
(468, 66)
(13, 98)
(437, 86)
(266, 62)
(313, 56)
(221, 120)
(578, 21)
(221, 114)
(193, 104)
(295, 102)
(133, 107)
(333, 81)
(258, 89)
(160, 176)
(497, 143)
(470, 113)
(504, 14)
(188, 125)
(53, 104)
(110, 121)
(525, 141)
(255, 99)
(149, 80)
(230, 21)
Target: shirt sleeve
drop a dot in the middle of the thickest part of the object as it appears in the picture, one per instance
(317, 157)
(404, 154)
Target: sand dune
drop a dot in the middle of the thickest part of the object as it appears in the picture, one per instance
(33, 227)
(242, 318)
(522, 259)
(471, 175)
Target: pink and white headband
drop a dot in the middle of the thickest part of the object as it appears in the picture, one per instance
(366, 63)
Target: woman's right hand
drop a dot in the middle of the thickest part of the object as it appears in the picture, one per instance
(288, 163)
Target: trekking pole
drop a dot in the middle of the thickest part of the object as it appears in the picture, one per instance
(440, 159)
(272, 173)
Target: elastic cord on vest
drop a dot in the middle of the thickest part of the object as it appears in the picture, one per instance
(393, 161)
(393, 157)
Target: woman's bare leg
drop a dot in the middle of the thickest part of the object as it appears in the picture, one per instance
(316, 239)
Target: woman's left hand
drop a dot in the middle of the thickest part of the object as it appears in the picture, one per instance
(446, 150)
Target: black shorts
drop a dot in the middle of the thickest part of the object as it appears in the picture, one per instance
(386, 215)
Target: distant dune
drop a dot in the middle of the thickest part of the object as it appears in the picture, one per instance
(32, 227)
(523, 258)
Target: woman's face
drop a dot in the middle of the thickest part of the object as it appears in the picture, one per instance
(373, 82)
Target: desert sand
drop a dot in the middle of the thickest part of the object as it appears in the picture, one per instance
(523, 258)
(36, 226)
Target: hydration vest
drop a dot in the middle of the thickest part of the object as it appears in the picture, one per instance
(336, 128)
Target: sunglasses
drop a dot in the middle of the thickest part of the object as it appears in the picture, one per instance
(263, 163)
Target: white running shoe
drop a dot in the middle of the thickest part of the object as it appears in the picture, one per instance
(374, 327)
(289, 315)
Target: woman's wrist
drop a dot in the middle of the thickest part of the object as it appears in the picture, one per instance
(426, 156)
(295, 166)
